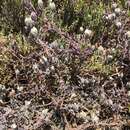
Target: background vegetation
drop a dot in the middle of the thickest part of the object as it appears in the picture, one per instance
(64, 65)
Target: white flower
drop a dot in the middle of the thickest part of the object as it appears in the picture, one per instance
(73, 95)
(81, 29)
(52, 68)
(2, 87)
(20, 88)
(118, 24)
(113, 50)
(14, 126)
(88, 33)
(1, 101)
(40, 4)
(117, 10)
(54, 60)
(35, 66)
(128, 84)
(100, 48)
(127, 34)
(17, 71)
(94, 117)
(12, 93)
(52, 6)
(54, 44)
(47, 71)
(110, 102)
(82, 115)
(105, 17)
(27, 103)
(10, 36)
(127, 4)
(29, 22)
(110, 57)
(49, 1)
(45, 112)
(34, 31)
(124, 12)
(128, 93)
(44, 58)
(114, 5)
(111, 16)
(103, 97)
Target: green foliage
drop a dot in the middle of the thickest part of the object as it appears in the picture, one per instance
(122, 2)
(97, 64)
(22, 47)
(93, 18)
(93, 15)
(11, 16)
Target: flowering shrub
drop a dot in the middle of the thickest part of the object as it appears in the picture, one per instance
(65, 65)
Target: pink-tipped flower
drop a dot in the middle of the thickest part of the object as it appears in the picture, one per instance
(33, 16)
(111, 16)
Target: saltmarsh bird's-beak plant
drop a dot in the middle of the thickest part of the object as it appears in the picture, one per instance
(71, 74)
